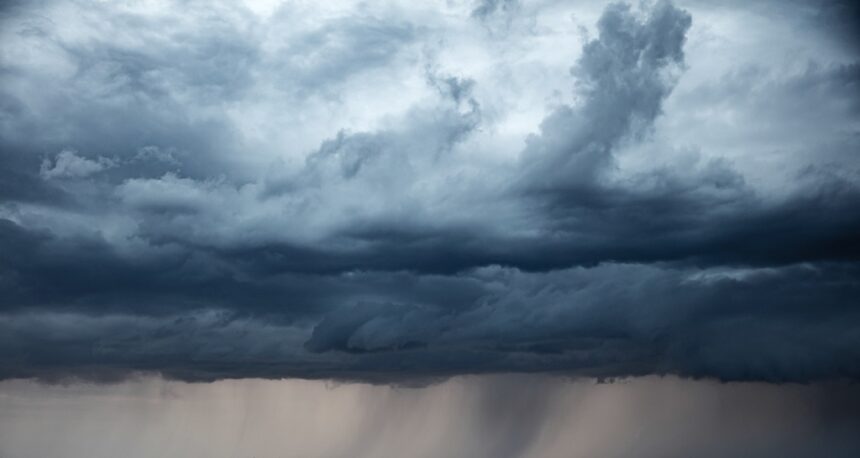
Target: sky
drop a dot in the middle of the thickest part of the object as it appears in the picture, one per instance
(430, 194)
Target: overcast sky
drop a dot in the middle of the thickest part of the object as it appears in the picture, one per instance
(402, 191)
(429, 228)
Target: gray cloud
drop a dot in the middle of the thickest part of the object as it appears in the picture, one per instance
(68, 164)
(338, 50)
(625, 73)
(485, 8)
(582, 321)
(147, 224)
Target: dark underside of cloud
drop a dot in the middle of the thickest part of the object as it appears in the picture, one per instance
(157, 259)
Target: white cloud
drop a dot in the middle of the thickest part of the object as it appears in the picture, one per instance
(68, 164)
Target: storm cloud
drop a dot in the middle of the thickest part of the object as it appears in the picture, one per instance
(385, 193)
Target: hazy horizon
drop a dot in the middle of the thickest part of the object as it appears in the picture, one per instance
(494, 416)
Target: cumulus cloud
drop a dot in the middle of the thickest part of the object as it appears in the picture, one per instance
(625, 75)
(318, 193)
(69, 165)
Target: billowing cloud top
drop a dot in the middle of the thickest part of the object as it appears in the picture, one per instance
(400, 191)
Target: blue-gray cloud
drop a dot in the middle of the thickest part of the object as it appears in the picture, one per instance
(138, 234)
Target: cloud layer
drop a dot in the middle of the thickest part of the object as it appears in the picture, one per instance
(407, 192)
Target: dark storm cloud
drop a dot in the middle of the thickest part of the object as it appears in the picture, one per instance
(610, 320)
(136, 236)
(590, 320)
